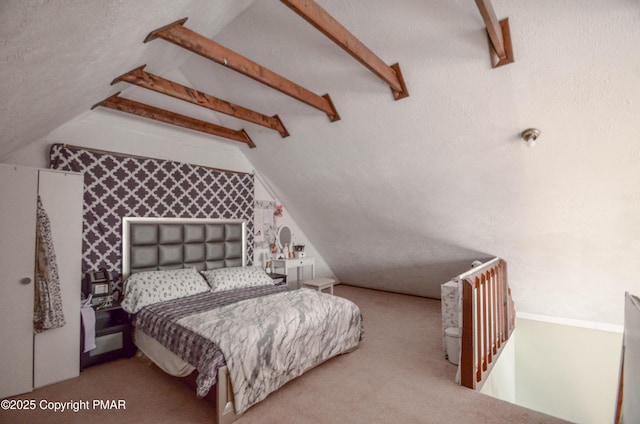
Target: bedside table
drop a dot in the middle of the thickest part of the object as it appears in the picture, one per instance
(298, 264)
(113, 337)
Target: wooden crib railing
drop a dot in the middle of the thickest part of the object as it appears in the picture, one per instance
(488, 319)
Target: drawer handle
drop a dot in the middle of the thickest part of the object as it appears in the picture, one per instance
(25, 281)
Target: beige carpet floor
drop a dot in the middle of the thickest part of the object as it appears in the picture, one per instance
(398, 375)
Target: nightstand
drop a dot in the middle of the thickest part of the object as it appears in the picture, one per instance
(298, 263)
(113, 337)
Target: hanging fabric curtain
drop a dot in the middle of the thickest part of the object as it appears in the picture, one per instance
(47, 308)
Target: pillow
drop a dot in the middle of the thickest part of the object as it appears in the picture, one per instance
(147, 288)
(236, 278)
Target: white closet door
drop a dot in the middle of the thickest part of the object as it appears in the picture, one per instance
(18, 187)
(57, 351)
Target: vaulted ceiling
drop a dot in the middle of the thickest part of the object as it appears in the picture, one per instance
(58, 58)
(399, 195)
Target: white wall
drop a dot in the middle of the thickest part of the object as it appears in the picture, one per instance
(501, 382)
(322, 269)
(567, 371)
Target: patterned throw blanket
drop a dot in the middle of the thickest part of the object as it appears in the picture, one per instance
(267, 340)
(160, 322)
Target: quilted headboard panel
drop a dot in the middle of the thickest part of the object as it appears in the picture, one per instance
(151, 244)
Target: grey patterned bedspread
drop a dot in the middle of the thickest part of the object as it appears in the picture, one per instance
(160, 322)
(268, 335)
(270, 340)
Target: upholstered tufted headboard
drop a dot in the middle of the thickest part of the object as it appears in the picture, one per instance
(151, 244)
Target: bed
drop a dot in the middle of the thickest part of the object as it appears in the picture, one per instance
(197, 306)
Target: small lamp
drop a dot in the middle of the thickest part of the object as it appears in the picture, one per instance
(530, 136)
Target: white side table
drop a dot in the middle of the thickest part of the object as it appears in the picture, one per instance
(299, 263)
(320, 284)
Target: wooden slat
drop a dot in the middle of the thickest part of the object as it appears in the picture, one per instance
(486, 319)
(489, 347)
(479, 338)
(325, 23)
(177, 34)
(494, 312)
(467, 349)
(500, 308)
(140, 109)
(499, 34)
(164, 86)
(492, 319)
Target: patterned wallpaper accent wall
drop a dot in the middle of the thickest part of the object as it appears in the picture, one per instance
(118, 185)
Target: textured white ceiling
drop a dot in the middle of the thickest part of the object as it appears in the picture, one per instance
(57, 58)
(404, 195)
(397, 195)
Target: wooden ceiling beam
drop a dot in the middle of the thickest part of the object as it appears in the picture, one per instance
(310, 11)
(140, 109)
(161, 85)
(499, 33)
(177, 34)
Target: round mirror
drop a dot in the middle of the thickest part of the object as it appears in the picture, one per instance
(284, 236)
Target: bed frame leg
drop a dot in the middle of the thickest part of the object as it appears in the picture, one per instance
(225, 410)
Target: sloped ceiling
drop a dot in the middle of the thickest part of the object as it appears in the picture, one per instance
(56, 58)
(398, 195)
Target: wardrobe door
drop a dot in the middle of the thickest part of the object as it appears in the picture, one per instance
(56, 354)
(18, 187)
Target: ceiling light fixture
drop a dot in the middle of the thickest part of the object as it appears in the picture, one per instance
(530, 136)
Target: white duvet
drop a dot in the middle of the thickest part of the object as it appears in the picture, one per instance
(268, 341)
